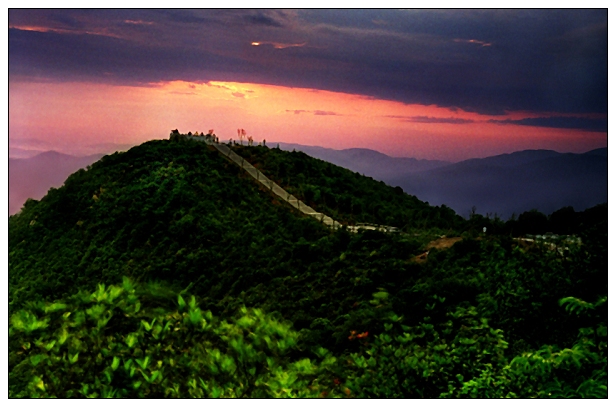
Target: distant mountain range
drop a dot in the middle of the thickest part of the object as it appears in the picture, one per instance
(16, 152)
(364, 161)
(505, 184)
(32, 177)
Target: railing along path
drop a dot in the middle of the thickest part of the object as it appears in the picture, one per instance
(282, 193)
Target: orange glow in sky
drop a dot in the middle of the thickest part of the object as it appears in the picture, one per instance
(70, 117)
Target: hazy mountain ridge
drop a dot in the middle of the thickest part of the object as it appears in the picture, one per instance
(506, 160)
(514, 183)
(504, 184)
(16, 152)
(32, 177)
(599, 151)
(365, 161)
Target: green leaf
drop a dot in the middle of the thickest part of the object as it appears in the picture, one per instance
(115, 363)
(108, 393)
(62, 337)
(36, 359)
(113, 293)
(181, 302)
(49, 345)
(381, 295)
(217, 392)
(73, 359)
(131, 339)
(194, 316)
(143, 363)
(56, 306)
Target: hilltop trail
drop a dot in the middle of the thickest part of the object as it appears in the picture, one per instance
(281, 192)
(268, 183)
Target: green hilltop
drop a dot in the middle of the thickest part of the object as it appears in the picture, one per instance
(168, 271)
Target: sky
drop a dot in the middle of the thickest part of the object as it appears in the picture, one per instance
(428, 84)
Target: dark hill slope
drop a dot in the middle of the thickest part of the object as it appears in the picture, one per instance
(159, 211)
(348, 196)
(179, 212)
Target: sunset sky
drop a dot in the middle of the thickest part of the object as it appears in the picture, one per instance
(438, 84)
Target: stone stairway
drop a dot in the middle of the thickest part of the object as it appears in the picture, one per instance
(268, 183)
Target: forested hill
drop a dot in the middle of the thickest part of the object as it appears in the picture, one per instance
(175, 201)
(166, 271)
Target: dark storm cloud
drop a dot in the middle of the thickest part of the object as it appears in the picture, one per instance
(107, 59)
(182, 16)
(560, 122)
(481, 61)
(262, 19)
(66, 20)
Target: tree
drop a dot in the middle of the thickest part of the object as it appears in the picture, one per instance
(119, 342)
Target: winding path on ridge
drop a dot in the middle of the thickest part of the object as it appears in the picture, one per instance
(282, 193)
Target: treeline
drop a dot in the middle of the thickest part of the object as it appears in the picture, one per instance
(565, 221)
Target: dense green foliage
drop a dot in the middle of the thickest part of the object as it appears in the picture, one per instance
(345, 195)
(356, 314)
(115, 343)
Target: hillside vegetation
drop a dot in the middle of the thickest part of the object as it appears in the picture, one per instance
(166, 271)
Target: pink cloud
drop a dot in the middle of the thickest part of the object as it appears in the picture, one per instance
(277, 45)
(482, 43)
(138, 22)
(315, 112)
